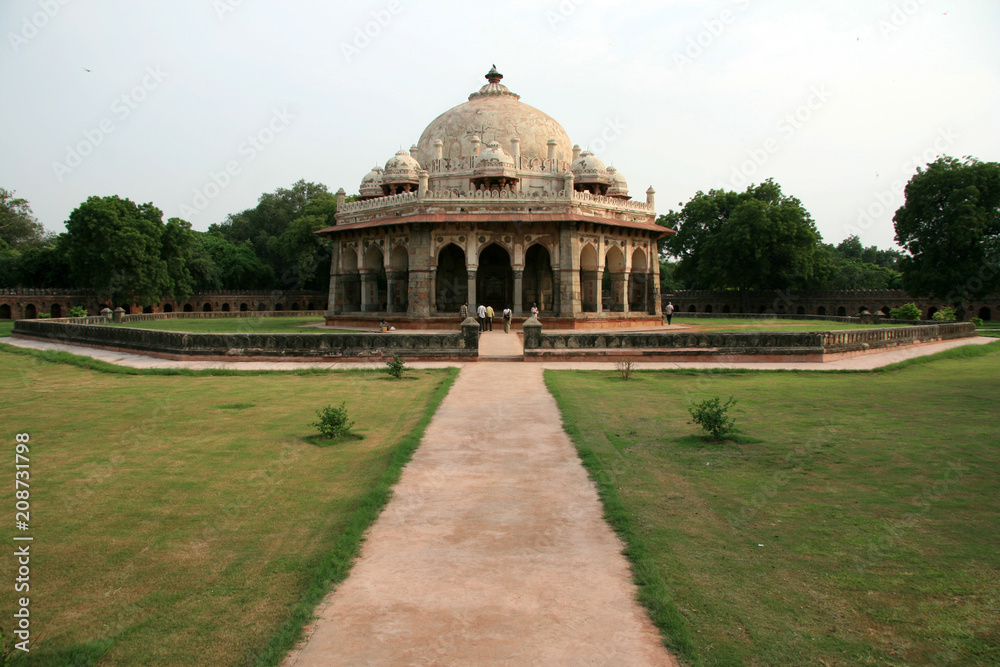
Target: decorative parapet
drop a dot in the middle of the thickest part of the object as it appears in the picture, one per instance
(457, 196)
(612, 202)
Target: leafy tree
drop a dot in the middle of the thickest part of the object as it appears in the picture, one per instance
(280, 230)
(47, 266)
(950, 226)
(223, 264)
(753, 240)
(18, 227)
(116, 248)
(908, 311)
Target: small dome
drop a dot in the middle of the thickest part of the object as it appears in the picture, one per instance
(401, 168)
(371, 184)
(494, 157)
(588, 168)
(617, 187)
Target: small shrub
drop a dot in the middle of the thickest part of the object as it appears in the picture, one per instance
(625, 368)
(395, 366)
(908, 311)
(77, 311)
(44, 316)
(977, 321)
(711, 415)
(333, 421)
(946, 314)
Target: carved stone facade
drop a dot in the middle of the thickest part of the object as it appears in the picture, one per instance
(494, 206)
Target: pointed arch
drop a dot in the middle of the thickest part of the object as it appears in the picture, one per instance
(494, 277)
(451, 282)
(590, 279)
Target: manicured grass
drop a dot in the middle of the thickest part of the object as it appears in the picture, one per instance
(6, 326)
(852, 521)
(191, 519)
(737, 325)
(235, 325)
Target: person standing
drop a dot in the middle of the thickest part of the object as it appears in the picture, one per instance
(534, 310)
(463, 312)
(481, 311)
(668, 311)
(507, 314)
(489, 317)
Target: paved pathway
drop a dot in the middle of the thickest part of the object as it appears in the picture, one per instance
(493, 549)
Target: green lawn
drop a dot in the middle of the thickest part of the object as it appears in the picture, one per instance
(235, 325)
(736, 325)
(193, 519)
(6, 326)
(854, 520)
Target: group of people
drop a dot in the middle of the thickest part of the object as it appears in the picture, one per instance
(486, 314)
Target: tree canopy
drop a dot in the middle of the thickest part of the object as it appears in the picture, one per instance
(950, 226)
(280, 231)
(19, 229)
(125, 253)
(753, 240)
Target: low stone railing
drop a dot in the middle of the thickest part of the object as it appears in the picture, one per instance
(811, 344)
(462, 344)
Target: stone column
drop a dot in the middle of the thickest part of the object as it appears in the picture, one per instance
(365, 278)
(431, 289)
(472, 289)
(391, 286)
(420, 285)
(600, 288)
(568, 298)
(619, 289)
(518, 289)
(333, 303)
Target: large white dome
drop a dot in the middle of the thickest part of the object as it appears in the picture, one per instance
(494, 113)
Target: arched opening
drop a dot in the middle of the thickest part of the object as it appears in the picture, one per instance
(398, 280)
(931, 311)
(295, 305)
(495, 278)
(147, 309)
(590, 289)
(451, 283)
(278, 307)
(261, 307)
(863, 309)
(708, 308)
(127, 308)
(761, 310)
(225, 307)
(538, 285)
(637, 282)
(243, 307)
(801, 310)
(188, 308)
(350, 280)
(886, 310)
(207, 308)
(841, 311)
(692, 309)
(5, 311)
(614, 280)
(168, 308)
(821, 310)
(30, 312)
(55, 310)
(726, 309)
(375, 295)
(984, 314)
(309, 306)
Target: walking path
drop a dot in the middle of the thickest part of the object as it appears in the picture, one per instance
(493, 549)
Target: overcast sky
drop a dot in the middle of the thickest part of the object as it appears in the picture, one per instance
(199, 106)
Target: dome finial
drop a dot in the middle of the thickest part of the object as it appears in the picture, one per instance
(494, 87)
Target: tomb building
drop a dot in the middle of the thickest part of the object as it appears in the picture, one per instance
(494, 205)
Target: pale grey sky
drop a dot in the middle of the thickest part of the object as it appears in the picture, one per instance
(838, 101)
